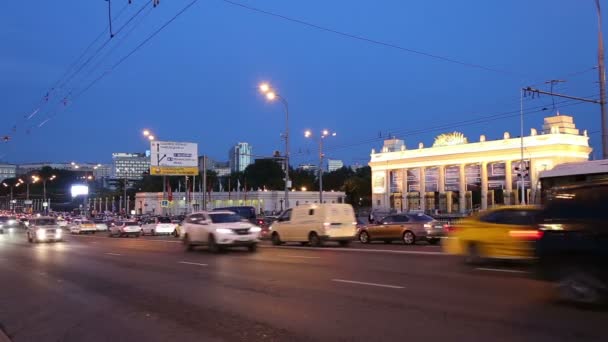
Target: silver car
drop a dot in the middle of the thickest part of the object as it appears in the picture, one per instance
(407, 228)
(43, 229)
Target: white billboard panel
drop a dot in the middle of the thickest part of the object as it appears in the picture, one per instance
(173, 158)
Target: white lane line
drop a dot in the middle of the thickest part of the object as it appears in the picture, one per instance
(500, 270)
(191, 263)
(359, 250)
(114, 254)
(369, 284)
(298, 256)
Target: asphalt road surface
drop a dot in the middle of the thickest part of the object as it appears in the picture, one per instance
(95, 288)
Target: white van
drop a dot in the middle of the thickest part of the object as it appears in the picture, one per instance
(315, 224)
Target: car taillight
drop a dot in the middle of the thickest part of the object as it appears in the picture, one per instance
(449, 228)
(532, 234)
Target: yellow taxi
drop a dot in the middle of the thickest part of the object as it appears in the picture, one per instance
(501, 233)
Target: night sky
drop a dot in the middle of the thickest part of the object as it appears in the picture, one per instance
(197, 79)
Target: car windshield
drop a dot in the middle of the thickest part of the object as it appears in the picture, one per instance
(225, 217)
(45, 222)
(164, 220)
(3, 218)
(420, 217)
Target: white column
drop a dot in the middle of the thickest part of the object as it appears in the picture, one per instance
(484, 185)
(404, 189)
(422, 189)
(441, 180)
(462, 189)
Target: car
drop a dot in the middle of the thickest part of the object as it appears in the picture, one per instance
(407, 228)
(314, 224)
(101, 225)
(125, 228)
(572, 252)
(218, 230)
(505, 233)
(7, 223)
(83, 227)
(246, 212)
(159, 226)
(43, 229)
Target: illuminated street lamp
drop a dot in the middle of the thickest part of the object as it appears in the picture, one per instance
(324, 134)
(272, 95)
(12, 186)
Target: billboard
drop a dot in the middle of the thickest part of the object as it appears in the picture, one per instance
(79, 190)
(378, 183)
(170, 158)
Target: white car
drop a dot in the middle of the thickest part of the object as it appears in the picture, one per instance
(43, 229)
(101, 226)
(125, 228)
(83, 227)
(217, 230)
(61, 223)
(159, 226)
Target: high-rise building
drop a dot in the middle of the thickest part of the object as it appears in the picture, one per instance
(308, 167)
(130, 165)
(222, 168)
(7, 171)
(334, 164)
(239, 157)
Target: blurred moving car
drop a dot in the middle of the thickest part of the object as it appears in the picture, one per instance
(7, 223)
(573, 249)
(315, 223)
(43, 229)
(101, 225)
(502, 233)
(407, 228)
(246, 212)
(125, 228)
(218, 230)
(83, 227)
(159, 226)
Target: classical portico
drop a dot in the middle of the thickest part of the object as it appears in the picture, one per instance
(457, 176)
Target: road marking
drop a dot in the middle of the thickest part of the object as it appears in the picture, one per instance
(359, 250)
(114, 254)
(191, 263)
(299, 256)
(500, 270)
(369, 284)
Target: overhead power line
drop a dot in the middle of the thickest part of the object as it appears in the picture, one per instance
(370, 40)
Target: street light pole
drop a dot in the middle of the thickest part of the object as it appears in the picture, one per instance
(602, 78)
(321, 170)
(286, 150)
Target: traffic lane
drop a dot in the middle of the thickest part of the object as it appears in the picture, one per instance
(321, 291)
(56, 294)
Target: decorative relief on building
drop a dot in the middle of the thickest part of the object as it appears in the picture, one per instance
(450, 139)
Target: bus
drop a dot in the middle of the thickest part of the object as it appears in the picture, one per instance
(572, 174)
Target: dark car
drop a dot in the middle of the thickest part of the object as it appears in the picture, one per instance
(247, 213)
(573, 250)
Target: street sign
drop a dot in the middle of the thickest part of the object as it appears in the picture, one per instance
(164, 204)
(28, 202)
(169, 158)
(45, 204)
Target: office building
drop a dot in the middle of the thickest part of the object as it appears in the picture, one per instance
(239, 157)
(130, 165)
(97, 170)
(7, 171)
(222, 168)
(334, 164)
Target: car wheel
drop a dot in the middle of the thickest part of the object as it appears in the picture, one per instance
(580, 286)
(314, 240)
(213, 246)
(364, 237)
(472, 256)
(304, 243)
(29, 238)
(153, 233)
(188, 243)
(344, 243)
(276, 239)
(433, 241)
(253, 248)
(137, 235)
(409, 238)
(387, 241)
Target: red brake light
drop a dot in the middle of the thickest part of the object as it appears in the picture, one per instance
(526, 234)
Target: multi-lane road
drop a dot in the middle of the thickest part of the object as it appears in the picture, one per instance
(95, 288)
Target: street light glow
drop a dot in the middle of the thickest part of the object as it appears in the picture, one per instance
(20, 180)
(264, 87)
(307, 133)
(271, 95)
(150, 137)
(5, 185)
(146, 132)
(325, 132)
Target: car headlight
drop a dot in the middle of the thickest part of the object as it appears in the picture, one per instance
(11, 222)
(41, 231)
(255, 229)
(58, 231)
(223, 230)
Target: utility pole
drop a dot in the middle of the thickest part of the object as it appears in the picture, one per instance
(602, 79)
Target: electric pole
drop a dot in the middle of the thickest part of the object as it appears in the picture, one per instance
(602, 77)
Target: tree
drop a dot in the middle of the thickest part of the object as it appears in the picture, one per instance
(264, 173)
(303, 178)
(335, 180)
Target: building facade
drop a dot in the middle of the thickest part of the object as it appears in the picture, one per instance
(458, 176)
(99, 171)
(239, 157)
(334, 164)
(7, 171)
(267, 202)
(130, 165)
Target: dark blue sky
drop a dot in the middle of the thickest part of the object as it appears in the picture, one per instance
(196, 80)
